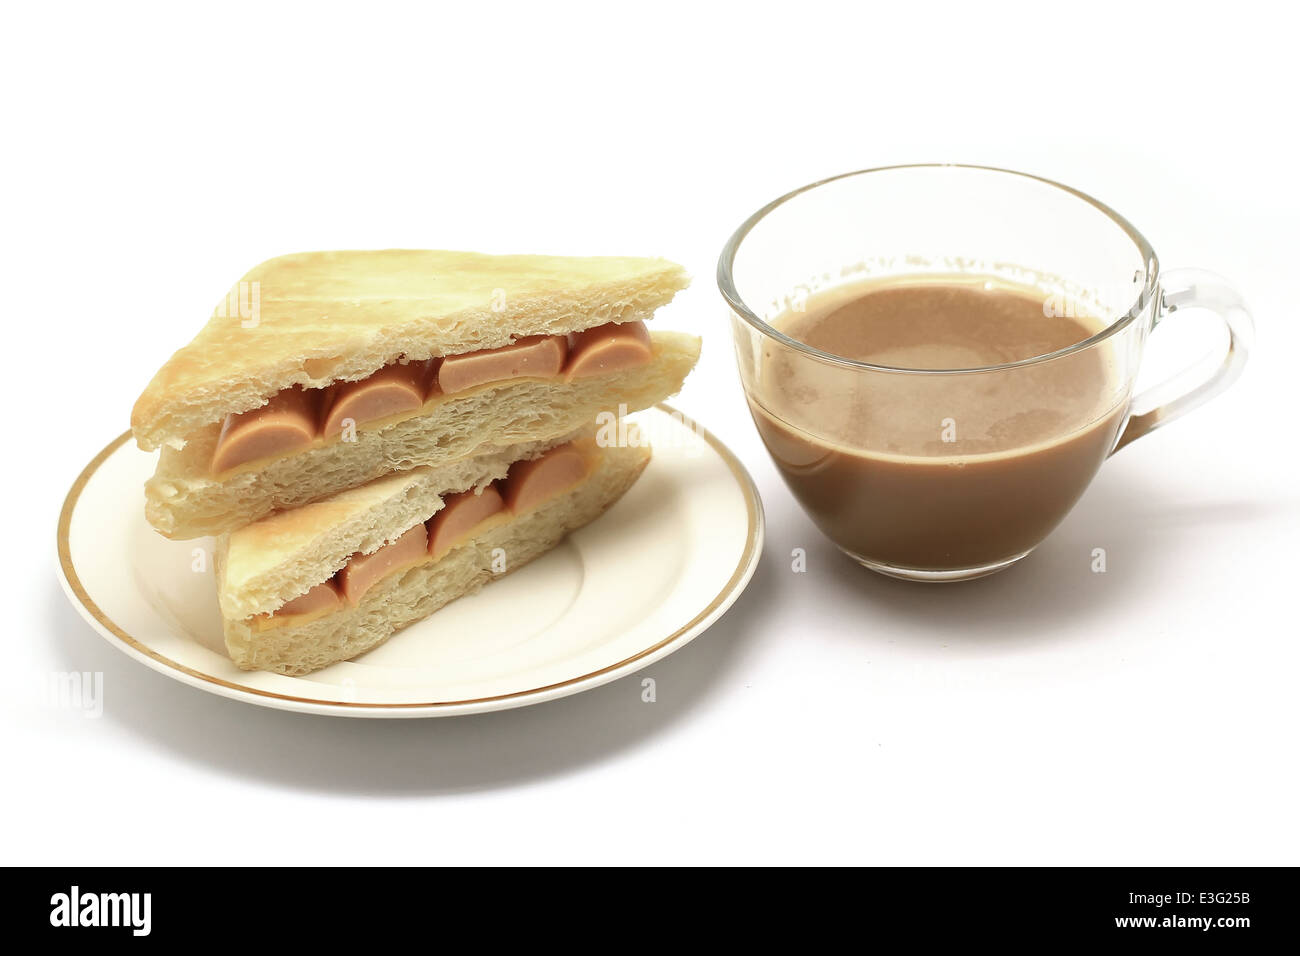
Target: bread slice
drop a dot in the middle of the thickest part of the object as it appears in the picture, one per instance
(272, 561)
(184, 500)
(407, 596)
(319, 317)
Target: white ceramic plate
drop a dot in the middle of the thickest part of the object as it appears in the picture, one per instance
(632, 587)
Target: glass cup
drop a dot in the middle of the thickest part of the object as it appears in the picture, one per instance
(944, 475)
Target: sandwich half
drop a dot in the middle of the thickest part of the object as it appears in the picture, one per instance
(304, 589)
(323, 371)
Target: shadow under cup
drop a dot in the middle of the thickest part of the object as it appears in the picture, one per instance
(940, 475)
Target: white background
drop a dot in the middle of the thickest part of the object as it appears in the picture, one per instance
(1046, 715)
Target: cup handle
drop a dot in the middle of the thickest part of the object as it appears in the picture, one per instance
(1175, 397)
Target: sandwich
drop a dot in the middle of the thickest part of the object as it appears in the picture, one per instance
(302, 589)
(327, 371)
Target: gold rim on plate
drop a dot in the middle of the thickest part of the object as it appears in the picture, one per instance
(745, 565)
